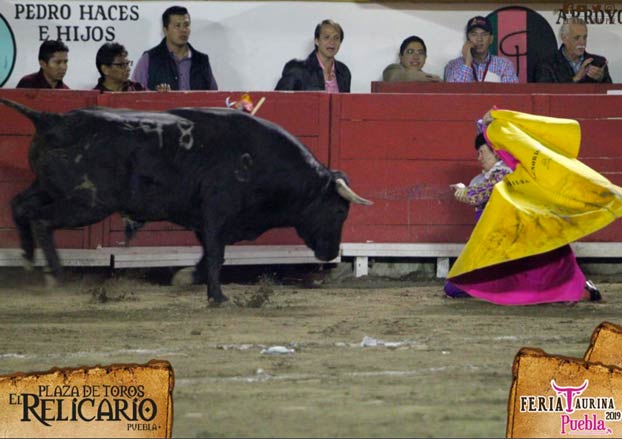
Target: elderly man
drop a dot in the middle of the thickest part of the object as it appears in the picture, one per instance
(571, 63)
(477, 64)
(174, 64)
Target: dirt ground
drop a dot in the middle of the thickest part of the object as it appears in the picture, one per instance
(446, 371)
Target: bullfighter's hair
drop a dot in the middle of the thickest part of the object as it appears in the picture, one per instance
(480, 140)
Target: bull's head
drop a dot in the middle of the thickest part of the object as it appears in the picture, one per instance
(322, 220)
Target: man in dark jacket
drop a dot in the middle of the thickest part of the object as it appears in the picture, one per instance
(571, 63)
(53, 60)
(320, 71)
(174, 64)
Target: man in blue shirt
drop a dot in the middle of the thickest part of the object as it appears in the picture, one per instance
(477, 64)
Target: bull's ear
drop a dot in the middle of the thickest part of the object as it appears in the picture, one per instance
(339, 174)
(245, 166)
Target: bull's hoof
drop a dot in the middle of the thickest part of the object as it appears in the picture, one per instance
(218, 301)
(183, 277)
(27, 264)
(50, 281)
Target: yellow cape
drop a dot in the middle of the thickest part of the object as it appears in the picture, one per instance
(550, 200)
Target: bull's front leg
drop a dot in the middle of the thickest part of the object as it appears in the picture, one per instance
(199, 275)
(45, 239)
(210, 265)
(60, 214)
(22, 207)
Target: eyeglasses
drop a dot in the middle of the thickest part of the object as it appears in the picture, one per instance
(413, 51)
(123, 65)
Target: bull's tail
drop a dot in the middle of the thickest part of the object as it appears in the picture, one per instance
(31, 114)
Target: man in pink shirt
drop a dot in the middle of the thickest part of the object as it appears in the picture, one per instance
(320, 71)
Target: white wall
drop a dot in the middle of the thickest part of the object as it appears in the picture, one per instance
(249, 42)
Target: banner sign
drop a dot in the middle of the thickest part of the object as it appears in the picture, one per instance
(112, 401)
(249, 42)
(557, 396)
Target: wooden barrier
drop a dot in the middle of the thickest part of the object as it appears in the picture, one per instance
(400, 150)
(167, 256)
(404, 150)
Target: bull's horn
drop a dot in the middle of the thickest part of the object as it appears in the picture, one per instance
(346, 192)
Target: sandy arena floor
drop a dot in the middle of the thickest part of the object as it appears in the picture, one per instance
(447, 372)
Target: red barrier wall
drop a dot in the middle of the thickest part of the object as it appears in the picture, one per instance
(400, 150)
(403, 151)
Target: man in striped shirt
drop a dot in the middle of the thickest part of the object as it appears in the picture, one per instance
(477, 64)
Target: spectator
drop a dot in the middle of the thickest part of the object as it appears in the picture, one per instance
(53, 59)
(320, 71)
(174, 64)
(571, 63)
(552, 276)
(114, 69)
(413, 53)
(477, 64)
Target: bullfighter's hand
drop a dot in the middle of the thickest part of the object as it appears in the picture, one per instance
(461, 194)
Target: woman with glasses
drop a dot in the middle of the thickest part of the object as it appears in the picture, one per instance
(114, 69)
(412, 59)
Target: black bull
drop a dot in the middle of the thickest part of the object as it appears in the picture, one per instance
(221, 173)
